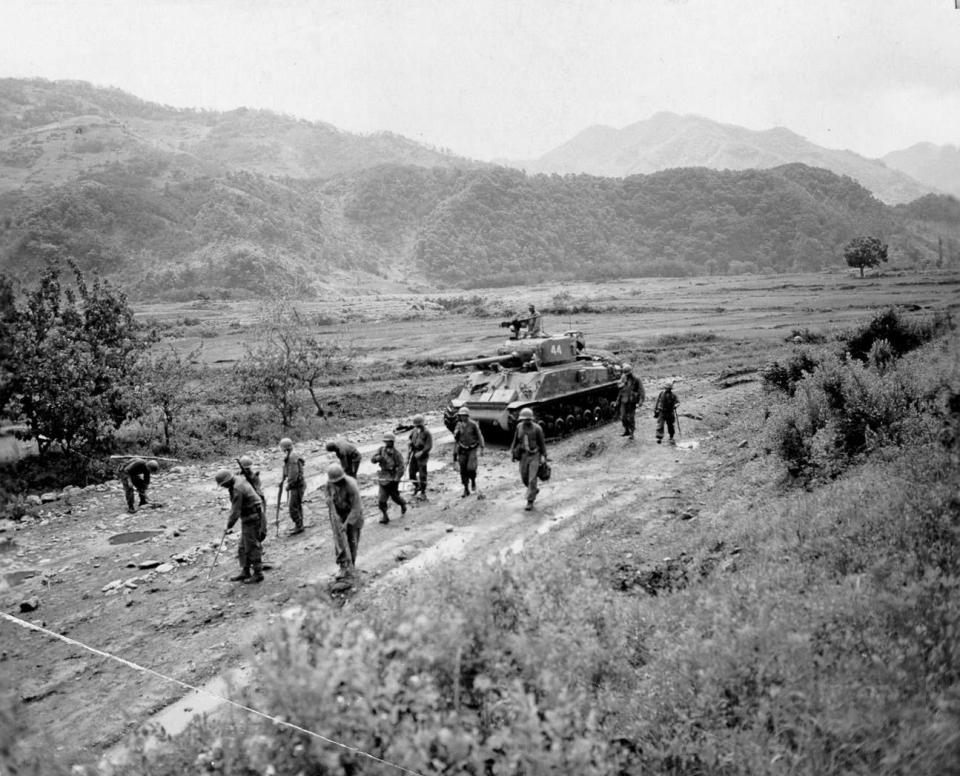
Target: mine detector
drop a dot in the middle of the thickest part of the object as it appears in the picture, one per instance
(567, 386)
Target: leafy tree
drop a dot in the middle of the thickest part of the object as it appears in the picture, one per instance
(266, 374)
(865, 252)
(72, 356)
(169, 381)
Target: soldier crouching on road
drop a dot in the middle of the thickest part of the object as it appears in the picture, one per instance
(347, 454)
(135, 477)
(389, 476)
(293, 474)
(467, 444)
(245, 506)
(530, 449)
(421, 443)
(346, 517)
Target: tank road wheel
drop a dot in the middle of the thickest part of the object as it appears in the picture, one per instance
(560, 427)
(587, 418)
(598, 414)
(571, 422)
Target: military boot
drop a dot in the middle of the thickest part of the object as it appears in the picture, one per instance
(243, 576)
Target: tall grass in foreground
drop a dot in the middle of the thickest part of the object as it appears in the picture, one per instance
(833, 647)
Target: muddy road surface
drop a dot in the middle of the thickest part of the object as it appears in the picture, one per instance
(137, 586)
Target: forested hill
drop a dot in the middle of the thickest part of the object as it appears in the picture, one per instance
(240, 232)
(53, 131)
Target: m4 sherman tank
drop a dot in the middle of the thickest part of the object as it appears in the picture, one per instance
(567, 386)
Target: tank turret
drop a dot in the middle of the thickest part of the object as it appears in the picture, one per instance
(566, 385)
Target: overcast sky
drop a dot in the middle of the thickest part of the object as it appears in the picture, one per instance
(515, 78)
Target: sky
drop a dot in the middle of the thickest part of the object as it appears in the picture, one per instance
(513, 79)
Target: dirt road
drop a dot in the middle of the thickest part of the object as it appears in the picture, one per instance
(167, 616)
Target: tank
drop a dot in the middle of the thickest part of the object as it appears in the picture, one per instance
(567, 386)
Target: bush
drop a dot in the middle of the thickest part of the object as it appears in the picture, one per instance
(901, 335)
(784, 377)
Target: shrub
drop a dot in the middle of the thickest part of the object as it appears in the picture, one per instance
(901, 335)
(784, 377)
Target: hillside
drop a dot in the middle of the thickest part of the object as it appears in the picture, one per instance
(240, 233)
(668, 140)
(53, 131)
(932, 165)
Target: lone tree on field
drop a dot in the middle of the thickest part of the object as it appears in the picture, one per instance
(865, 252)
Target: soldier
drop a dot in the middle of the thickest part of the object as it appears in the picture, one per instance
(293, 475)
(347, 454)
(529, 448)
(246, 506)
(631, 395)
(534, 323)
(665, 411)
(135, 477)
(468, 443)
(343, 496)
(253, 477)
(389, 476)
(421, 442)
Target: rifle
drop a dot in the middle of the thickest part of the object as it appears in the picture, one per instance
(283, 479)
(216, 555)
(339, 532)
(151, 457)
(677, 416)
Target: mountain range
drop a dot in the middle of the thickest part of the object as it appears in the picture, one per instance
(668, 140)
(173, 203)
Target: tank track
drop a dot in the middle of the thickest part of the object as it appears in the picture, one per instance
(563, 415)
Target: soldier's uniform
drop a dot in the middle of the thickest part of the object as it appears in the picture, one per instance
(344, 495)
(529, 448)
(665, 411)
(468, 441)
(347, 454)
(631, 395)
(135, 477)
(253, 477)
(247, 507)
(293, 473)
(421, 443)
(389, 477)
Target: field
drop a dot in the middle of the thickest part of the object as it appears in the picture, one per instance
(615, 508)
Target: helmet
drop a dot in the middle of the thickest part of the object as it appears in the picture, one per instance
(532, 308)
(626, 367)
(668, 386)
(335, 473)
(463, 411)
(526, 414)
(153, 466)
(418, 420)
(286, 443)
(223, 477)
(331, 446)
(388, 437)
(245, 461)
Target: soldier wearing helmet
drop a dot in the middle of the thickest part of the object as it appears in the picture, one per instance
(245, 506)
(467, 445)
(534, 323)
(135, 478)
(343, 496)
(293, 476)
(530, 449)
(245, 462)
(629, 397)
(389, 476)
(421, 443)
(665, 411)
(347, 454)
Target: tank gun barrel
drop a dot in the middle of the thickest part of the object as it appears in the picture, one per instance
(485, 361)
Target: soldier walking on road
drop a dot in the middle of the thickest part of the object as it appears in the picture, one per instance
(344, 498)
(421, 442)
(665, 411)
(253, 477)
(530, 449)
(630, 396)
(245, 506)
(347, 454)
(135, 477)
(468, 443)
(389, 476)
(293, 475)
